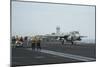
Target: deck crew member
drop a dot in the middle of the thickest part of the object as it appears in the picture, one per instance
(38, 43)
(33, 45)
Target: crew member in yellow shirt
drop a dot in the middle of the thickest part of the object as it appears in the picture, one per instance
(38, 43)
(33, 45)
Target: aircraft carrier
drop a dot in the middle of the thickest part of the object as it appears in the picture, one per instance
(53, 53)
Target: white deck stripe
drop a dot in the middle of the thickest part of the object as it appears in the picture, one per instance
(66, 55)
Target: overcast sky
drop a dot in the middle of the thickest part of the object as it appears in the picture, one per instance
(42, 18)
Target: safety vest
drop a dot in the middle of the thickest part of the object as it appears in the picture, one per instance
(33, 40)
(38, 40)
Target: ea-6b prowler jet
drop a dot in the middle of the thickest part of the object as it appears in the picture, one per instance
(70, 37)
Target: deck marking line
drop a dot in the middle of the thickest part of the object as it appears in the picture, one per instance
(66, 55)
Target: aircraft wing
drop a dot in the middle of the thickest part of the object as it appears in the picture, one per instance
(82, 36)
(55, 36)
